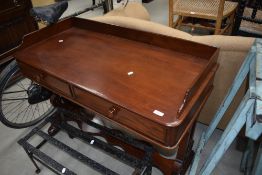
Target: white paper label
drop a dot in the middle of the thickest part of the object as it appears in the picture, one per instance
(63, 170)
(159, 113)
(130, 73)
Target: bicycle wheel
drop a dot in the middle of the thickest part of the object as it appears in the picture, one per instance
(15, 109)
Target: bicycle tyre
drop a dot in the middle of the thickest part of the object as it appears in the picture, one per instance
(7, 75)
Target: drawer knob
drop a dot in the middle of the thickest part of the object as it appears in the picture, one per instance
(39, 77)
(112, 112)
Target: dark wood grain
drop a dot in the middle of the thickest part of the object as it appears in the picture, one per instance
(88, 62)
(15, 22)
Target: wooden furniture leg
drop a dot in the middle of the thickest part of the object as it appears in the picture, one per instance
(177, 21)
(178, 166)
(170, 12)
(185, 153)
(231, 23)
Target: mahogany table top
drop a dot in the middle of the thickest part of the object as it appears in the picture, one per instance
(140, 75)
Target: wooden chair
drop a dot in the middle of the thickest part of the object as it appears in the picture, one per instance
(248, 20)
(215, 15)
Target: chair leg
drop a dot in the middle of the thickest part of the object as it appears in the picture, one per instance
(177, 21)
(218, 26)
(231, 23)
(239, 15)
(170, 13)
(217, 29)
(171, 21)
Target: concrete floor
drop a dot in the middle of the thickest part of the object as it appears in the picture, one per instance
(14, 161)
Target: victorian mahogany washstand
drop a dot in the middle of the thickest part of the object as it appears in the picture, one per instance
(149, 86)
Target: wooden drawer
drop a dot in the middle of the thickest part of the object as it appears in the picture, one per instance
(142, 125)
(50, 82)
(120, 115)
(30, 72)
(95, 103)
(56, 84)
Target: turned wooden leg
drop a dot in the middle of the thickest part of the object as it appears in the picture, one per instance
(53, 129)
(168, 167)
(231, 23)
(177, 21)
(170, 13)
(183, 159)
(61, 103)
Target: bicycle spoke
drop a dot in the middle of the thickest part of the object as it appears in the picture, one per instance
(25, 112)
(17, 116)
(37, 105)
(21, 87)
(6, 104)
(33, 113)
(21, 84)
(14, 111)
(14, 107)
(38, 111)
(14, 99)
(28, 112)
(12, 92)
(20, 112)
(25, 109)
(16, 96)
(43, 107)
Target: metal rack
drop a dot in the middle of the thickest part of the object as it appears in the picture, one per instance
(141, 166)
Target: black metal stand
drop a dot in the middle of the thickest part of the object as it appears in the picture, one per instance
(141, 166)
